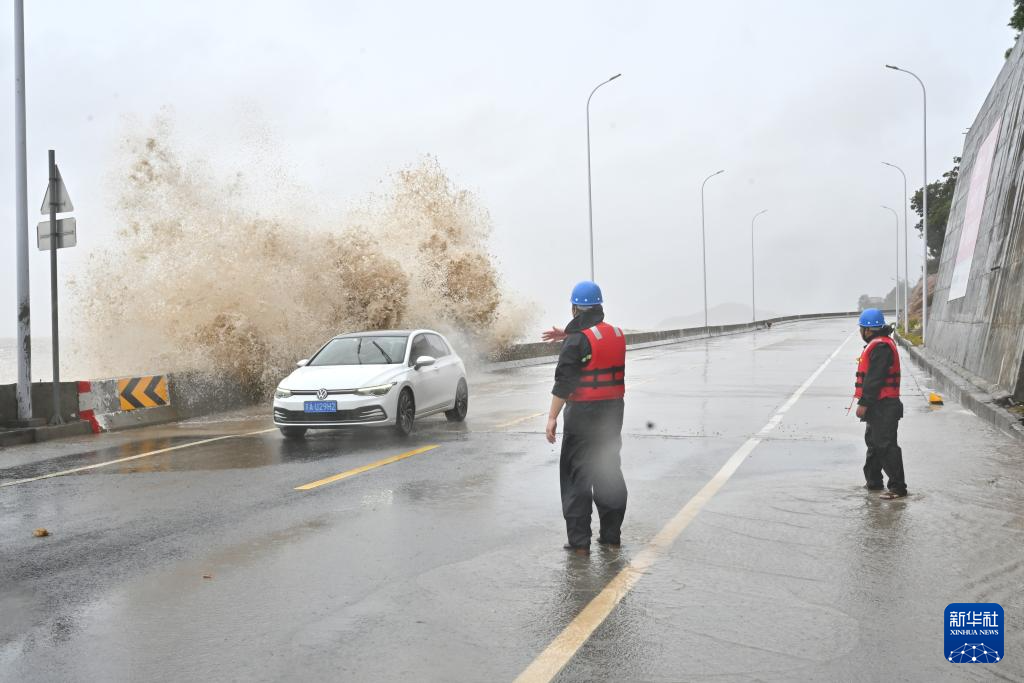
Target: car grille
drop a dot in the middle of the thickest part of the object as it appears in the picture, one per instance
(312, 392)
(355, 416)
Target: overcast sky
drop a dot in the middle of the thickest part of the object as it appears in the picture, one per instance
(791, 98)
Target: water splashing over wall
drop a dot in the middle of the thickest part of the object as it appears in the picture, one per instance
(208, 274)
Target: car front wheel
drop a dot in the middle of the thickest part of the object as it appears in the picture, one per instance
(461, 409)
(406, 413)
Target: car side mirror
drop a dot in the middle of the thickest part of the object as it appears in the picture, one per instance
(424, 362)
(302, 363)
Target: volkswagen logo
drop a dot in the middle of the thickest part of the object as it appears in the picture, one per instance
(321, 394)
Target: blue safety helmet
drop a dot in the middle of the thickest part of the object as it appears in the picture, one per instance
(587, 293)
(872, 317)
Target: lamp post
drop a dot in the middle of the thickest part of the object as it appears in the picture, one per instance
(24, 354)
(590, 196)
(897, 217)
(753, 300)
(704, 246)
(906, 253)
(924, 208)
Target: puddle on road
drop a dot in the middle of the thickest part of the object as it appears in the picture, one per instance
(73, 460)
(241, 452)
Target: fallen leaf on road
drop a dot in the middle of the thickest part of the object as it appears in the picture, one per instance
(39, 533)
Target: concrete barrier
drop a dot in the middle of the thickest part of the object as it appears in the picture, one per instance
(12, 432)
(42, 402)
(126, 402)
(539, 353)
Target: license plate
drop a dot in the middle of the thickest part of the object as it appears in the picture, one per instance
(320, 406)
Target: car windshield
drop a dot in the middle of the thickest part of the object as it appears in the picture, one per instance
(368, 350)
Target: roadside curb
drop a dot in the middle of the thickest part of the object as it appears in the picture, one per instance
(961, 388)
(26, 435)
(76, 428)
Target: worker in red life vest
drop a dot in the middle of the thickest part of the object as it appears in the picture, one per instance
(877, 391)
(590, 385)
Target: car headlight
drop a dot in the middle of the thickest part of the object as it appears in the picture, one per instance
(378, 390)
(282, 393)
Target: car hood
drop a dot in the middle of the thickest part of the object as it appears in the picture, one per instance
(341, 376)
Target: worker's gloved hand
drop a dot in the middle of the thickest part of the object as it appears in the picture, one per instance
(552, 427)
(862, 411)
(555, 334)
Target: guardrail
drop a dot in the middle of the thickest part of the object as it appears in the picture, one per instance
(521, 352)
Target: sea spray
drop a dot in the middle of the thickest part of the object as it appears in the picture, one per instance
(209, 274)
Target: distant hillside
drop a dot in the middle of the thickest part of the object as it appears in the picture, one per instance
(722, 314)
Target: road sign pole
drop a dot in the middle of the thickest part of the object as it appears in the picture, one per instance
(54, 236)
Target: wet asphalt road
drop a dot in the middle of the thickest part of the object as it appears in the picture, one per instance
(205, 563)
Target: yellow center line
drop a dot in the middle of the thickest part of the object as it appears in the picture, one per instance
(519, 420)
(365, 468)
(134, 457)
(564, 647)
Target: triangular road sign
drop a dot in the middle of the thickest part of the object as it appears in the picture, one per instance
(63, 199)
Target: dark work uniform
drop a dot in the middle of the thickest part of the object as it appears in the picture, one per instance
(883, 418)
(590, 469)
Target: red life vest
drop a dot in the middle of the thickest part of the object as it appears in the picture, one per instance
(891, 388)
(604, 377)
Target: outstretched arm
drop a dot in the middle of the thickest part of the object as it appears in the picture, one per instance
(555, 334)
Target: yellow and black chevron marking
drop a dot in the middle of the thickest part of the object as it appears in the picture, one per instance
(143, 392)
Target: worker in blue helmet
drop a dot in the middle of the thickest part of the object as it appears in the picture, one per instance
(590, 384)
(877, 392)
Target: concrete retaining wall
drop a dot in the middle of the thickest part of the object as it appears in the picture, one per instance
(982, 332)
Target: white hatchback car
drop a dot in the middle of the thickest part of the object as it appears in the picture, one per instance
(386, 378)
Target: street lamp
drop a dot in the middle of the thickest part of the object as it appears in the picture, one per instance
(24, 354)
(753, 305)
(897, 217)
(924, 208)
(906, 253)
(590, 196)
(704, 246)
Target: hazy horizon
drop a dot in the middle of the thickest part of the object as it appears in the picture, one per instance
(323, 103)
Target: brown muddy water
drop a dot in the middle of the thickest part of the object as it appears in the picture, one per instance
(207, 274)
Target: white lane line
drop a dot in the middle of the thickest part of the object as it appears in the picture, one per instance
(562, 649)
(133, 457)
